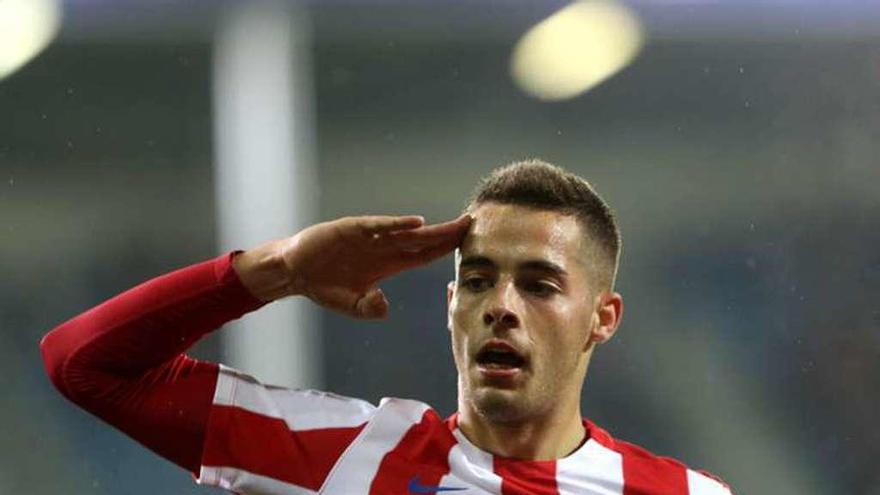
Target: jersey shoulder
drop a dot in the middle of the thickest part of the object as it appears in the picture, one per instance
(670, 475)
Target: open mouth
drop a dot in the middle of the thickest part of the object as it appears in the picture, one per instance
(499, 356)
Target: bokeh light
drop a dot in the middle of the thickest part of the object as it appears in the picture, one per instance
(26, 28)
(575, 49)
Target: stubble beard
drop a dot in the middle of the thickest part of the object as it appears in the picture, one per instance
(498, 407)
(502, 406)
(508, 406)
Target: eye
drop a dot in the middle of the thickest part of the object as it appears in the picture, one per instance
(540, 289)
(475, 284)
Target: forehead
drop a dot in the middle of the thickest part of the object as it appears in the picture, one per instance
(511, 233)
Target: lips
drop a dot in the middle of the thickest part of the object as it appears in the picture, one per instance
(500, 355)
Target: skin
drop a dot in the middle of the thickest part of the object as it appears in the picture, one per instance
(338, 264)
(524, 276)
(503, 290)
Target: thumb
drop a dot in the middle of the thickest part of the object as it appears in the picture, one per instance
(373, 304)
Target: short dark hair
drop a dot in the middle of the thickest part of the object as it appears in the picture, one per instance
(537, 184)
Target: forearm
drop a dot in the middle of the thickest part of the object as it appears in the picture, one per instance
(123, 361)
(151, 322)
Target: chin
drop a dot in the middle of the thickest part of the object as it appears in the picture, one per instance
(500, 406)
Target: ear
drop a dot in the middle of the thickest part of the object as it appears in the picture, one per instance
(450, 291)
(609, 311)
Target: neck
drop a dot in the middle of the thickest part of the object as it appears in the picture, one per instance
(552, 436)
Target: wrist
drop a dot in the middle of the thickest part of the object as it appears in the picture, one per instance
(263, 272)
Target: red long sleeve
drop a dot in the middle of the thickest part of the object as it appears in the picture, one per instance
(123, 360)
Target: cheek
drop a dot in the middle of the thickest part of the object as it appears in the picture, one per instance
(462, 311)
(458, 327)
(562, 332)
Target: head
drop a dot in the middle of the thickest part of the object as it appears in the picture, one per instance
(533, 293)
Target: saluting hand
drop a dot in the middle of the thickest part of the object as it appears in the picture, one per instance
(338, 264)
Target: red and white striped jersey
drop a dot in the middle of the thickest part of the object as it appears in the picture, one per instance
(270, 440)
(124, 362)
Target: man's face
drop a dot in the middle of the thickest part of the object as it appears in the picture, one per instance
(521, 312)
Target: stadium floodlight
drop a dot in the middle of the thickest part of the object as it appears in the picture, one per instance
(26, 28)
(576, 49)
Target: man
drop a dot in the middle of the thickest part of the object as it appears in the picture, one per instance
(532, 298)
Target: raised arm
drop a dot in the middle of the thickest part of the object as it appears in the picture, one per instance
(123, 360)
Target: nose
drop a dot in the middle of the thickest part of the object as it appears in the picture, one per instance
(500, 313)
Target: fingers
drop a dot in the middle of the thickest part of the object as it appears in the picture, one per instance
(372, 305)
(432, 235)
(430, 253)
(384, 224)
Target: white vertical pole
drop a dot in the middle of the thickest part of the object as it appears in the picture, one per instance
(265, 177)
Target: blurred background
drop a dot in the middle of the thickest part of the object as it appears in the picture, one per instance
(737, 141)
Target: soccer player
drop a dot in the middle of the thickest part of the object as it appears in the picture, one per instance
(533, 296)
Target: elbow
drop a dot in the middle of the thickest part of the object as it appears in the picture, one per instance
(55, 355)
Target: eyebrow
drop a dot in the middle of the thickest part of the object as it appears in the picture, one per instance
(538, 265)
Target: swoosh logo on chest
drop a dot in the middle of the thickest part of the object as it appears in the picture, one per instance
(416, 487)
